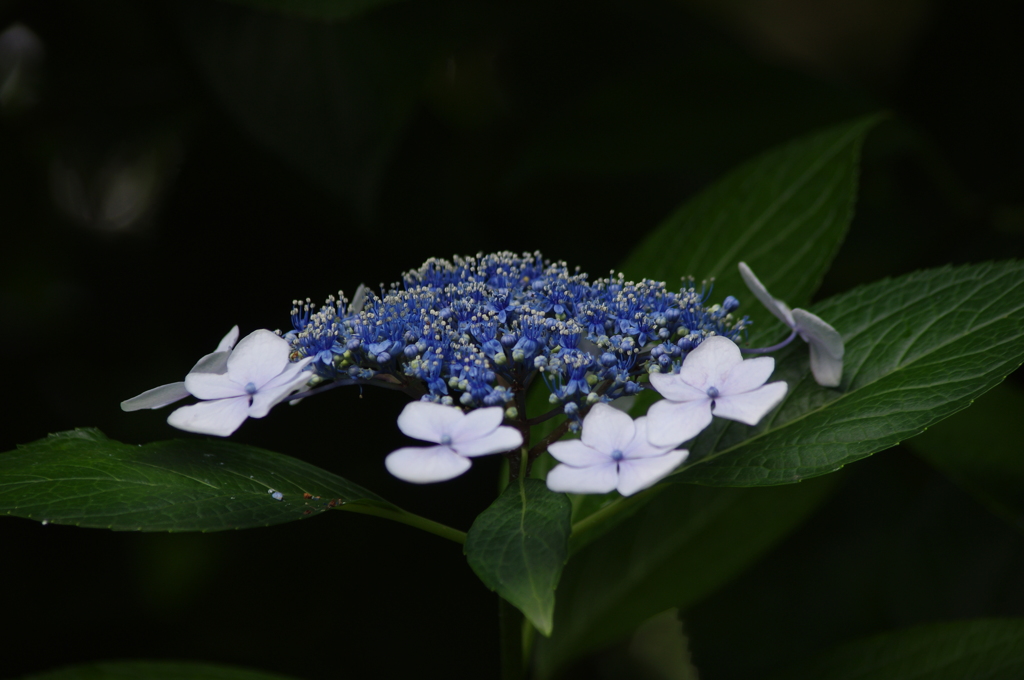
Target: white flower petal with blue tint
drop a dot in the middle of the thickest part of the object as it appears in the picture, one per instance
(219, 417)
(158, 397)
(614, 452)
(259, 376)
(426, 464)
(427, 421)
(637, 474)
(826, 343)
(458, 435)
(670, 423)
(728, 386)
(600, 478)
(827, 348)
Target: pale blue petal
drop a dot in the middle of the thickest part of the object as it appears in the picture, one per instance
(156, 397)
(593, 479)
(219, 417)
(426, 464)
(640, 473)
(750, 407)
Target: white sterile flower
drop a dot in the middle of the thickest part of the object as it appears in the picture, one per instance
(158, 397)
(714, 378)
(613, 452)
(458, 436)
(257, 377)
(826, 344)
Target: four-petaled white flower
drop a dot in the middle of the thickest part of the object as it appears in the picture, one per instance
(826, 344)
(713, 378)
(458, 436)
(158, 397)
(258, 376)
(612, 453)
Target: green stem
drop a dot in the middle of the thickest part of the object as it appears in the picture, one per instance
(399, 515)
(510, 622)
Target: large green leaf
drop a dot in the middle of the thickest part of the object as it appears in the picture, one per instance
(675, 550)
(918, 349)
(519, 545)
(980, 449)
(989, 649)
(784, 213)
(153, 670)
(83, 478)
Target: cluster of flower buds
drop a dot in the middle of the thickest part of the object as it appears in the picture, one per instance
(468, 331)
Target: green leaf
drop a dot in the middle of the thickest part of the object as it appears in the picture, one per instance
(675, 550)
(80, 477)
(661, 647)
(979, 449)
(519, 545)
(918, 349)
(329, 10)
(153, 670)
(784, 213)
(989, 649)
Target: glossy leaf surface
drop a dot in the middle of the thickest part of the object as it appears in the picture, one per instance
(519, 545)
(83, 478)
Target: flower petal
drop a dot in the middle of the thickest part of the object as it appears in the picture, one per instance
(428, 421)
(503, 439)
(747, 376)
(672, 387)
(750, 407)
(639, 473)
(592, 479)
(641, 447)
(426, 464)
(708, 365)
(259, 358)
(607, 429)
(213, 386)
(156, 397)
(228, 341)
(819, 333)
(779, 309)
(214, 362)
(280, 388)
(475, 424)
(670, 423)
(218, 417)
(827, 370)
(575, 453)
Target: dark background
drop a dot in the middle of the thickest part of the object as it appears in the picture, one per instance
(169, 169)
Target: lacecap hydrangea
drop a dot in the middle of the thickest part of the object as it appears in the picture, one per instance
(476, 331)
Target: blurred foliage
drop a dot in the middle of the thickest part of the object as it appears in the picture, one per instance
(170, 169)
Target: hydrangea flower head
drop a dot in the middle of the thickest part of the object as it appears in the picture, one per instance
(258, 376)
(714, 379)
(471, 330)
(612, 453)
(458, 437)
(826, 344)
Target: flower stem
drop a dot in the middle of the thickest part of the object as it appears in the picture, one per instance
(399, 515)
(510, 621)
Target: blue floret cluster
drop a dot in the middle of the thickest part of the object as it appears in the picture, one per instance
(476, 331)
